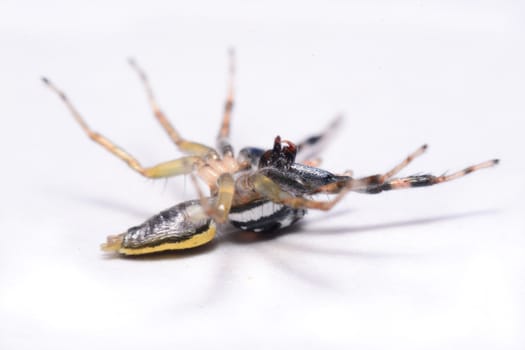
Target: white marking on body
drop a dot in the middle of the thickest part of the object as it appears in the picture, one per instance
(287, 221)
(261, 211)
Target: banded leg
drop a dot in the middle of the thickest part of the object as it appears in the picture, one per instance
(184, 145)
(310, 147)
(370, 181)
(175, 167)
(426, 179)
(220, 205)
(314, 162)
(269, 189)
(377, 180)
(223, 137)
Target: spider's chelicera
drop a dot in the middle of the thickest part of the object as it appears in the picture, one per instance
(256, 191)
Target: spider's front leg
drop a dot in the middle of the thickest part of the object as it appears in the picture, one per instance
(384, 182)
(269, 189)
(425, 179)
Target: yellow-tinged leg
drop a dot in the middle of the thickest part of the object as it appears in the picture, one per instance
(180, 166)
(269, 189)
(220, 205)
(175, 167)
(223, 137)
(184, 145)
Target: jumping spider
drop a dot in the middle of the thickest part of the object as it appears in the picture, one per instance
(257, 191)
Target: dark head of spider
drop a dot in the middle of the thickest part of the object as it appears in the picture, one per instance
(279, 157)
(279, 165)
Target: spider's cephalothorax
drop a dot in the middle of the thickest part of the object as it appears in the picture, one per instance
(279, 157)
(257, 191)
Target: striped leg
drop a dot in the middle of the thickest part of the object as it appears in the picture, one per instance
(223, 137)
(426, 179)
(377, 180)
(270, 190)
(361, 185)
(184, 145)
(309, 148)
(175, 167)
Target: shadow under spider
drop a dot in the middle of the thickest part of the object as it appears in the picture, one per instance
(242, 237)
(227, 234)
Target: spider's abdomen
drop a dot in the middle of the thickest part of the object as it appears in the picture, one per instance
(263, 215)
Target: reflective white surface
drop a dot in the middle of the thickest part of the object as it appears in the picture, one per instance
(431, 268)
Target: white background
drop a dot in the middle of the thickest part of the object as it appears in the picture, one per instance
(432, 268)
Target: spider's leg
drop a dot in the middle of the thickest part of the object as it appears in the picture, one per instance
(311, 146)
(223, 137)
(179, 166)
(426, 179)
(379, 179)
(369, 181)
(219, 206)
(314, 162)
(271, 190)
(267, 188)
(184, 145)
(404, 163)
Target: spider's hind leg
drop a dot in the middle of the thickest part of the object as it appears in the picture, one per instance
(189, 147)
(175, 167)
(223, 137)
